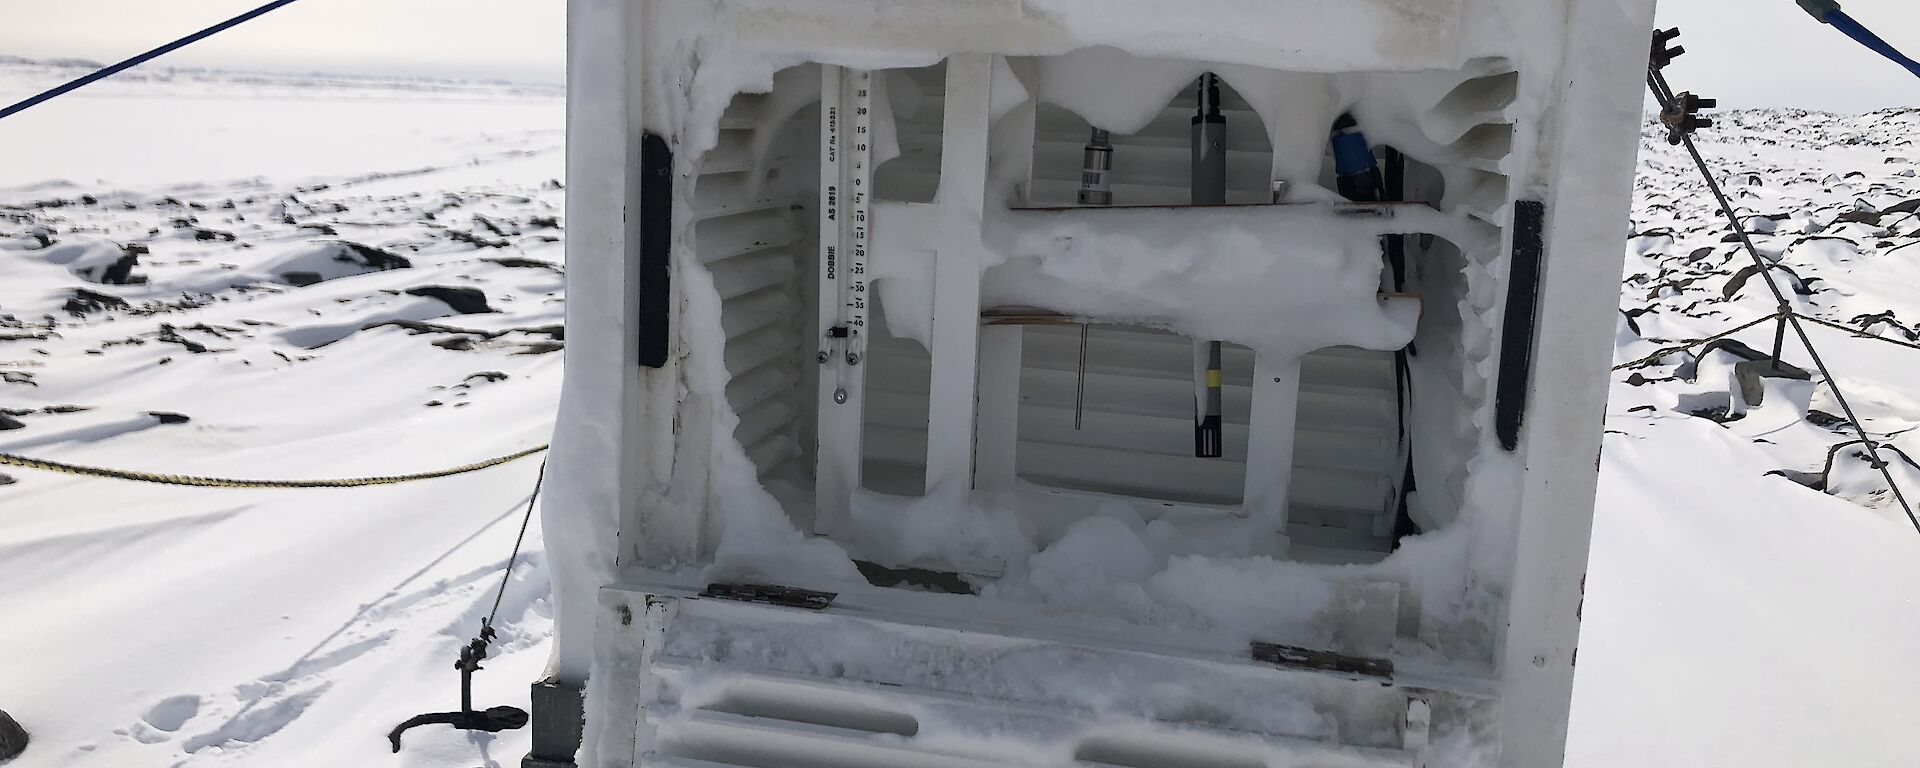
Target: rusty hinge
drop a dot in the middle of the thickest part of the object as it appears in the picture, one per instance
(1324, 661)
(772, 594)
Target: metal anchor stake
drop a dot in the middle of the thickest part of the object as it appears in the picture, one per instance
(493, 720)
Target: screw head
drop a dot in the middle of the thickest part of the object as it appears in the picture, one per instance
(840, 397)
(1539, 661)
(821, 358)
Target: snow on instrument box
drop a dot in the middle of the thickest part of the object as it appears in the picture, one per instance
(1068, 383)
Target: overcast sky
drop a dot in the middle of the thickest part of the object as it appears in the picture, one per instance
(1745, 52)
(517, 39)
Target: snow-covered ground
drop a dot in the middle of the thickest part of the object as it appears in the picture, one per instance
(150, 625)
(1733, 618)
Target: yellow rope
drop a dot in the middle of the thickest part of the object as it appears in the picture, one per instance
(8, 459)
(1676, 349)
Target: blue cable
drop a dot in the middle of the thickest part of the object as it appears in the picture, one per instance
(1828, 12)
(1841, 21)
(114, 69)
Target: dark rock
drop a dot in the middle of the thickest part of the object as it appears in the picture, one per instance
(169, 417)
(324, 229)
(1866, 323)
(84, 302)
(300, 279)
(1814, 238)
(521, 262)
(540, 348)
(417, 327)
(1905, 206)
(60, 409)
(456, 343)
(1750, 374)
(1745, 353)
(491, 226)
(1815, 480)
(1689, 371)
(1869, 218)
(1739, 280)
(172, 336)
(1632, 316)
(544, 222)
(1717, 414)
(120, 272)
(475, 240)
(13, 738)
(489, 376)
(9, 422)
(6, 479)
(1824, 420)
(372, 257)
(466, 301)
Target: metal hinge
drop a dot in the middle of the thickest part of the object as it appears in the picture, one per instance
(771, 594)
(1324, 661)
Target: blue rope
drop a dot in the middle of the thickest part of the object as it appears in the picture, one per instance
(111, 70)
(1841, 21)
(1828, 11)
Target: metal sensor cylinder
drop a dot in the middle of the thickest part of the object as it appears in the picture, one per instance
(1209, 188)
(1096, 170)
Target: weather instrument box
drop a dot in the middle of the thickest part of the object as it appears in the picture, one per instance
(1066, 383)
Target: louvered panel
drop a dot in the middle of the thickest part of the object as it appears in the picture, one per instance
(772, 451)
(743, 233)
(746, 245)
(739, 276)
(763, 347)
(763, 419)
(740, 685)
(761, 384)
(750, 312)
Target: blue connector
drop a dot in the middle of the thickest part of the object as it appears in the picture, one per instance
(1358, 174)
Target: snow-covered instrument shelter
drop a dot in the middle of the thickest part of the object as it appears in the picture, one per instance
(1160, 384)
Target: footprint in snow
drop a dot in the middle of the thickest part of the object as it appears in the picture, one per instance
(257, 720)
(164, 718)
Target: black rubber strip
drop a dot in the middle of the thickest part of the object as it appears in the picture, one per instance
(656, 248)
(1516, 336)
